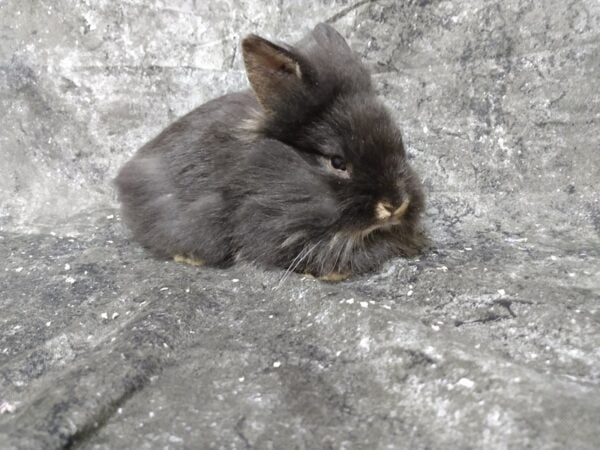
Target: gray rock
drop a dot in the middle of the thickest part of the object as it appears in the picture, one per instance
(490, 340)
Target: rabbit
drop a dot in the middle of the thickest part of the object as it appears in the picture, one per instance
(305, 171)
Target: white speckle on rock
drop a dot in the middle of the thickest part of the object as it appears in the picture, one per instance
(364, 344)
(364, 304)
(164, 289)
(110, 216)
(435, 328)
(350, 301)
(465, 382)
(501, 292)
(175, 439)
(18, 269)
(409, 293)
(114, 315)
(277, 364)
(67, 266)
(241, 379)
(6, 407)
(104, 316)
(517, 240)
(235, 280)
(70, 280)
(151, 414)
(48, 323)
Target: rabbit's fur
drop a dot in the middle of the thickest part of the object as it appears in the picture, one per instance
(306, 172)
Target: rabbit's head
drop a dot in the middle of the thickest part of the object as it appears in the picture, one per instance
(342, 172)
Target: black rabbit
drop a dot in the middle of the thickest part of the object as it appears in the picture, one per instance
(307, 172)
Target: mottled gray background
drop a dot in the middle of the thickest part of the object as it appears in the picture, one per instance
(491, 340)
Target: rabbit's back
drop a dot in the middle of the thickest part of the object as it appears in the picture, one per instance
(172, 189)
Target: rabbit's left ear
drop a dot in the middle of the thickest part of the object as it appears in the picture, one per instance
(273, 71)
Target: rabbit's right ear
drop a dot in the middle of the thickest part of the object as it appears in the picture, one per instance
(327, 37)
(273, 71)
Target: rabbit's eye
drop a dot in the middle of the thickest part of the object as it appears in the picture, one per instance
(337, 162)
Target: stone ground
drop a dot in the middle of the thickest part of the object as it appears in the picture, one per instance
(489, 340)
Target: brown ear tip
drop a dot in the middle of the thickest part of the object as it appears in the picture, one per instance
(251, 41)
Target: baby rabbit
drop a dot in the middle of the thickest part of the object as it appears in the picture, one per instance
(306, 172)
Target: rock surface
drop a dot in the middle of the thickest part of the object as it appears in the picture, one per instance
(490, 340)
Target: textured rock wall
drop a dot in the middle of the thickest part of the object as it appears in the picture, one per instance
(491, 340)
(495, 98)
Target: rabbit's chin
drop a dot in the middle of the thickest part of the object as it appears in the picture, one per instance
(354, 252)
(388, 225)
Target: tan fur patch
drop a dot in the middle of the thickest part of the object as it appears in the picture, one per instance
(187, 260)
(335, 276)
(382, 211)
(298, 71)
(251, 127)
(399, 212)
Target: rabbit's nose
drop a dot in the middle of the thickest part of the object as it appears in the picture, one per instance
(384, 209)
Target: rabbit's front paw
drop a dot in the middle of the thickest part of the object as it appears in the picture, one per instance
(334, 276)
(189, 260)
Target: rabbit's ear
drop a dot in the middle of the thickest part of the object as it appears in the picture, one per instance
(329, 38)
(272, 70)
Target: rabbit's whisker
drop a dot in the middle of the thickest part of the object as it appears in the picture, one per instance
(302, 255)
